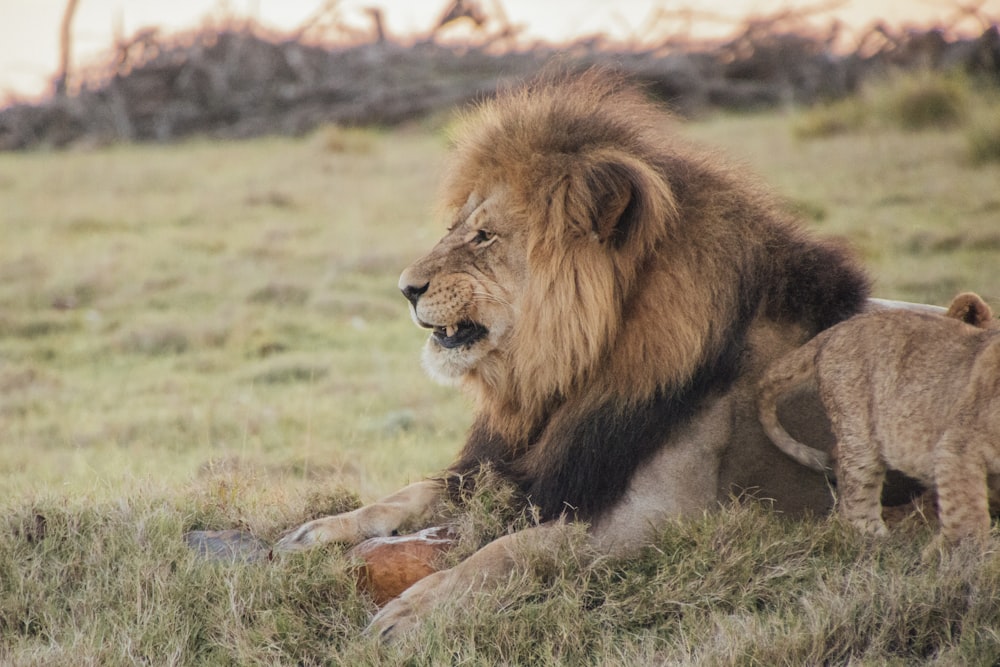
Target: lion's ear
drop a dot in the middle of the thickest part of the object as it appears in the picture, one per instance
(611, 196)
(615, 202)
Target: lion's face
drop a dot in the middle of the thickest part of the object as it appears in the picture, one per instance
(467, 290)
(560, 223)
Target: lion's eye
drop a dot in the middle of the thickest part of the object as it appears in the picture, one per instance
(483, 237)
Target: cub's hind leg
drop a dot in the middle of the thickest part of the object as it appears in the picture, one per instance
(960, 474)
(860, 475)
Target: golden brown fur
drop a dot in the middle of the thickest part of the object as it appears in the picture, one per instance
(970, 308)
(575, 328)
(609, 296)
(914, 392)
(623, 267)
(967, 307)
(564, 204)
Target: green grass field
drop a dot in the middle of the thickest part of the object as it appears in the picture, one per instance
(209, 335)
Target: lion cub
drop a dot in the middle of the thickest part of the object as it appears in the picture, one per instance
(912, 391)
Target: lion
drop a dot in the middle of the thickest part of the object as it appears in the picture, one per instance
(911, 391)
(608, 295)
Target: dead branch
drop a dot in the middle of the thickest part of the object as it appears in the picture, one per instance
(65, 47)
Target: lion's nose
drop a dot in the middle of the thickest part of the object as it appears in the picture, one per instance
(413, 292)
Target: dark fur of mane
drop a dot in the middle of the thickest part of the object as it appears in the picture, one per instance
(601, 449)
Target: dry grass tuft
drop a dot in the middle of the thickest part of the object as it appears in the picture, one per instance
(741, 587)
(337, 139)
(843, 116)
(281, 294)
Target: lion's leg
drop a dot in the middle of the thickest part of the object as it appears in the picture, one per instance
(860, 475)
(484, 570)
(411, 504)
(962, 490)
(680, 480)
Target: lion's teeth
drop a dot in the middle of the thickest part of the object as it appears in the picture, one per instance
(450, 331)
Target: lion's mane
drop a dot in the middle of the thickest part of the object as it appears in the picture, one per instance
(620, 342)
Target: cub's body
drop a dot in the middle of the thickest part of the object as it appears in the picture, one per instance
(915, 392)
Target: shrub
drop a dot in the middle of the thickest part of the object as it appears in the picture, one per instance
(983, 140)
(841, 117)
(913, 101)
(924, 100)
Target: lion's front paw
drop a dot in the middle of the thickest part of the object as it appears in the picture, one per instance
(402, 616)
(319, 531)
(297, 540)
(396, 620)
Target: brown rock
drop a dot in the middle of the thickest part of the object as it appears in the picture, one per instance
(390, 565)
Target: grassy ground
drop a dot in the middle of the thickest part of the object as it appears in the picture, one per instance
(210, 336)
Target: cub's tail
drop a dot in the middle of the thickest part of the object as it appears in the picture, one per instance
(788, 372)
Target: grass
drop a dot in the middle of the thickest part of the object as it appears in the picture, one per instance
(743, 587)
(208, 336)
(181, 300)
(983, 139)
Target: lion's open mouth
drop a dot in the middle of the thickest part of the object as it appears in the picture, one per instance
(457, 335)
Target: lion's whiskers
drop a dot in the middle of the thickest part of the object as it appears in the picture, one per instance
(483, 295)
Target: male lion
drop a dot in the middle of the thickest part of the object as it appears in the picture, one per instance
(609, 296)
(915, 392)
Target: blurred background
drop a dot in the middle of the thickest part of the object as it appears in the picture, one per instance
(29, 31)
(151, 70)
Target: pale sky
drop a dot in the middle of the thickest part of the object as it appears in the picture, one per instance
(29, 28)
